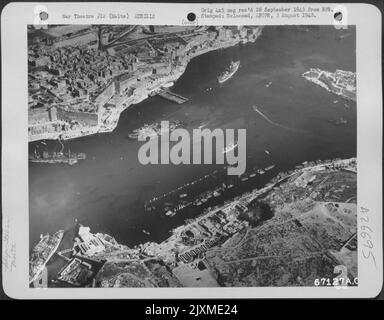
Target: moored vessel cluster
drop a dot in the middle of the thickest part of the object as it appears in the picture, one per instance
(57, 157)
(153, 130)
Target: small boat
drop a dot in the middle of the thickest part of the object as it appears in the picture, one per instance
(146, 232)
(268, 84)
(197, 203)
(153, 130)
(269, 167)
(267, 152)
(183, 195)
(340, 121)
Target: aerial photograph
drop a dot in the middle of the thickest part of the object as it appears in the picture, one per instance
(192, 156)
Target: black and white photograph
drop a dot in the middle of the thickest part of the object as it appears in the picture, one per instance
(193, 155)
(99, 217)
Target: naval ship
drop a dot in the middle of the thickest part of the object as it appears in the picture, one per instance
(227, 74)
(57, 157)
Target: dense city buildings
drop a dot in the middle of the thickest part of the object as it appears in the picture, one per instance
(82, 77)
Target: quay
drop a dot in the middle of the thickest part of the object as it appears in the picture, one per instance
(174, 97)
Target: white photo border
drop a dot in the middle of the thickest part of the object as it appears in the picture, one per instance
(15, 214)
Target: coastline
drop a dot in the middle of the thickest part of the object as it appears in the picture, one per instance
(122, 103)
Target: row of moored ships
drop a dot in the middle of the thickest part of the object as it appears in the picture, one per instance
(171, 209)
(153, 130)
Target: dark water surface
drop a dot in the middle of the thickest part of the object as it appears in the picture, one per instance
(107, 191)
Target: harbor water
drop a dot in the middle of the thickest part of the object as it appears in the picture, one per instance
(108, 190)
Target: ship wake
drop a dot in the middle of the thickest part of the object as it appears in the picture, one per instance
(275, 123)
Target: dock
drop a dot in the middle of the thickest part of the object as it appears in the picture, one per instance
(171, 96)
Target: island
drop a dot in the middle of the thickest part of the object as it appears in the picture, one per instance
(342, 83)
(293, 231)
(81, 77)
